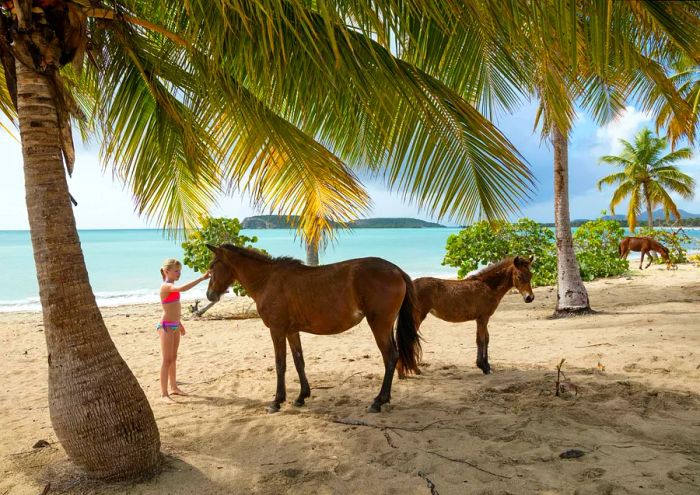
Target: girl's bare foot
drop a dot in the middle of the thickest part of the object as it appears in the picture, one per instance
(177, 391)
(167, 399)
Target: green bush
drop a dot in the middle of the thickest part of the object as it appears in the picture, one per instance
(597, 249)
(596, 243)
(483, 243)
(675, 241)
(214, 231)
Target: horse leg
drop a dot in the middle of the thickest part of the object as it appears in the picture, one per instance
(482, 345)
(384, 336)
(280, 346)
(298, 355)
(641, 260)
(651, 259)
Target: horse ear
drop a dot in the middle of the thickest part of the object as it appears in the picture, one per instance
(532, 259)
(211, 248)
(519, 261)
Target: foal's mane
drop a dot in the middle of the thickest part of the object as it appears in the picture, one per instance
(258, 256)
(490, 271)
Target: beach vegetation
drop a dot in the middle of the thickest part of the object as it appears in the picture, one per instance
(214, 231)
(596, 243)
(597, 249)
(647, 177)
(485, 242)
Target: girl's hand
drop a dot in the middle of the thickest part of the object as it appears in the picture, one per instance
(206, 275)
(183, 332)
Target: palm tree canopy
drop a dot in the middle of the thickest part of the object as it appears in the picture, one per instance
(648, 176)
(285, 100)
(291, 100)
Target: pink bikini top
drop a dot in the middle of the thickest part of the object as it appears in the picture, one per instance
(171, 298)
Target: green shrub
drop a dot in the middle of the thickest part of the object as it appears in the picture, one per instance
(483, 243)
(214, 231)
(597, 249)
(676, 242)
(596, 243)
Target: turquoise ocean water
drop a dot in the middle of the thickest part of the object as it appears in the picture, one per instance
(123, 265)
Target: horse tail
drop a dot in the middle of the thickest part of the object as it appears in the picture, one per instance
(407, 337)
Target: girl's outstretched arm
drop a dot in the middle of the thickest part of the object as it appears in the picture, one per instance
(188, 285)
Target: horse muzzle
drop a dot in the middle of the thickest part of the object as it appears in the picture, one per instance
(213, 296)
(529, 298)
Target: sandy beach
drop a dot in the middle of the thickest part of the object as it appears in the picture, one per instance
(635, 416)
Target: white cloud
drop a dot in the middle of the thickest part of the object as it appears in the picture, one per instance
(624, 126)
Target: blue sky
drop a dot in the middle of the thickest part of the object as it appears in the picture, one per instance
(104, 204)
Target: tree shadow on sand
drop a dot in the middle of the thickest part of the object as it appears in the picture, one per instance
(464, 433)
(452, 429)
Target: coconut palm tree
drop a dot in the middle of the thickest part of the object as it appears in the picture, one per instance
(648, 177)
(596, 55)
(189, 98)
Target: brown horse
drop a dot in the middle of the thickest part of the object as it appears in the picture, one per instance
(324, 300)
(646, 245)
(475, 298)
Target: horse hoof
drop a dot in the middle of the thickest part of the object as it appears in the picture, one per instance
(374, 408)
(298, 403)
(273, 408)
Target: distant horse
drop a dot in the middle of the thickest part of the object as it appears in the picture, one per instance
(475, 298)
(645, 245)
(324, 300)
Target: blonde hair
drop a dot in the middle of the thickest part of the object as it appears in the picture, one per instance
(167, 265)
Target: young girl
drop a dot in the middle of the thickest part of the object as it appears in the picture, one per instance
(170, 328)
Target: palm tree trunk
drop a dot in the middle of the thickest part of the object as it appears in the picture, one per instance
(571, 293)
(312, 254)
(98, 410)
(650, 209)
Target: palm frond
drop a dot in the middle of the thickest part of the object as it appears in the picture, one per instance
(679, 154)
(7, 107)
(660, 195)
(619, 177)
(376, 112)
(152, 129)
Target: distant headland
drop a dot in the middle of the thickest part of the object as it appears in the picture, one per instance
(284, 222)
(687, 220)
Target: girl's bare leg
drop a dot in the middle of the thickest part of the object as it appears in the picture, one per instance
(166, 348)
(175, 390)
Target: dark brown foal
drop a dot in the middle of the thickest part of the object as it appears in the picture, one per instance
(475, 298)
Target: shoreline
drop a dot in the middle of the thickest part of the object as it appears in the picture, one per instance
(144, 297)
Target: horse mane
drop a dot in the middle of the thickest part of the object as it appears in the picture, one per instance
(258, 256)
(663, 248)
(489, 271)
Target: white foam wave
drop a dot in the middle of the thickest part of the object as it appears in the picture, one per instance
(104, 299)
